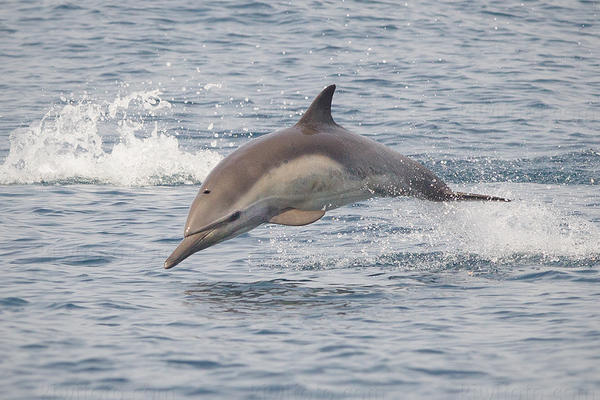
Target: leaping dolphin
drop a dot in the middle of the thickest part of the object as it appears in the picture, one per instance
(293, 176)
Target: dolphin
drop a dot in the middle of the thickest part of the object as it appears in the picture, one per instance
(293, 176)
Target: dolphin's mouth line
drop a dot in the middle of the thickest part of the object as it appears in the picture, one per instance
(211, 227)
(204, 234)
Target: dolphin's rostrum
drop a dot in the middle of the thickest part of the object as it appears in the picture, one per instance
(293, 176)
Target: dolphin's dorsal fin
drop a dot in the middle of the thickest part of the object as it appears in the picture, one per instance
(319, 112)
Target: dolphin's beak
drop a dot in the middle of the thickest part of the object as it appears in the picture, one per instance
(188, 246)
(223, 229)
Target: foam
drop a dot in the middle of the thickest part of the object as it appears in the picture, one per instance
(525, 228)
(66, 146)
(423, 235)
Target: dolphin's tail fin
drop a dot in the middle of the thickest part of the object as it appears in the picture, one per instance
(460, 196)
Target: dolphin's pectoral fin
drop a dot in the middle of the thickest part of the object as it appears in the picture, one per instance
(297, 217)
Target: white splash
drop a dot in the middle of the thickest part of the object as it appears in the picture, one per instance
(415, 234)
(501, 232)
(66, 146)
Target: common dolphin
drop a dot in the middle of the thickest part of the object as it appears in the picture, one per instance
(293, 176)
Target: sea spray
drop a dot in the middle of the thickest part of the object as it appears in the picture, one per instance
(66, 146)
(412, 234)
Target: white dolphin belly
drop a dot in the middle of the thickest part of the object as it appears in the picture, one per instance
(309, 182)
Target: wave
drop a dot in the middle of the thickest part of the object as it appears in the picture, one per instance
(416, 235)
(118, 142)
(66, 146)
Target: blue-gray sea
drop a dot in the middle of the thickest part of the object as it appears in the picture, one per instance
(112, 113)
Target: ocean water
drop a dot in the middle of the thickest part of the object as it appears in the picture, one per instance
(112, 114)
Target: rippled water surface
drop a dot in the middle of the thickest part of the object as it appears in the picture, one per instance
(112, 114)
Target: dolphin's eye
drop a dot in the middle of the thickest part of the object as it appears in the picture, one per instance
(234, 216)
(206, 191)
